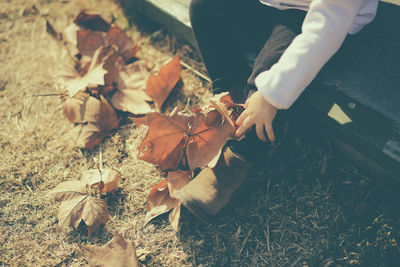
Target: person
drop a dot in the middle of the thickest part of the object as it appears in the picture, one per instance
(265, 53)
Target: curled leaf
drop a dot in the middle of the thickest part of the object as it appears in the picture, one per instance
(108, 178)
(161, 198)
(119, 252)
(229, 110)
(160, 86)
(159, 201)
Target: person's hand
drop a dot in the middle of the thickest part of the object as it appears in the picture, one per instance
(259, 112)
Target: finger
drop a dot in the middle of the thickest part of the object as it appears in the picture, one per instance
(243, 128)
(260, 132)
(246, 104)
(270, 132)
(241, 118)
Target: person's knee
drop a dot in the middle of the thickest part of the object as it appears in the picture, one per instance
(199, 8)
(196, 6)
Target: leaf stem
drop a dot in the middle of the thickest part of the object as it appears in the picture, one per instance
(53, 94)
(100, 157)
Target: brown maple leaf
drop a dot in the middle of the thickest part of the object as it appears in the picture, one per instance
(102, 120)
(165, 140)
(170, 137)
(89, 41)
(131, 82)
(162, 197)
(107, 180)
(78, 205)
(207, 139)
(126, 46)
(160, 86)
(119, 252)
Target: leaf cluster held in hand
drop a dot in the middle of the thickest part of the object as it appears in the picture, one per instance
(180, 140)
(229, 110)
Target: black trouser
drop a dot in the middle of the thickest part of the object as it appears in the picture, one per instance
(231, 32)
(227, 31)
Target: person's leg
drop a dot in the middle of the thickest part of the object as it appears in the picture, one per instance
(224, 31)
(224, 55)
(287, 27)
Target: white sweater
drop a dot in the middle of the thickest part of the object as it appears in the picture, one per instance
(323, 31)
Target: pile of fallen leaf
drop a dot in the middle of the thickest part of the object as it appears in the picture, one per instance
(105, 84)
(106, 79)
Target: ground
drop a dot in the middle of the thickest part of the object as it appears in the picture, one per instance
(307, 206)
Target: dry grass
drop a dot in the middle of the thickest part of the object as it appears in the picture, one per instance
(305, 207)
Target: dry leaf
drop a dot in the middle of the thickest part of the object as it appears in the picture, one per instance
(92, 22)
(176, 180)
(106, 179)
(174, 217)
(229, 110)
(78, 205)
(90, 134)
(160, 86)
(94, 77)
(170, 137)
(161, 200)
(69, 35)
(206, 140)
(126, 47)
(165, 140)
(131, 82)
(119, 252)
(81, 108)
(89, 41)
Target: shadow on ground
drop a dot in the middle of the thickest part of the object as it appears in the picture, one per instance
(308, 206)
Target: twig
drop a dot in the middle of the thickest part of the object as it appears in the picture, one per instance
(268, 237)
(187, 105)
(54, 94)
(201, 75)
(100, 157)
(244, 242)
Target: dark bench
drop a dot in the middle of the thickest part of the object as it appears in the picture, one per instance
(358, 102)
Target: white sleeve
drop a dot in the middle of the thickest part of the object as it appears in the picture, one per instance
(323, 31)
